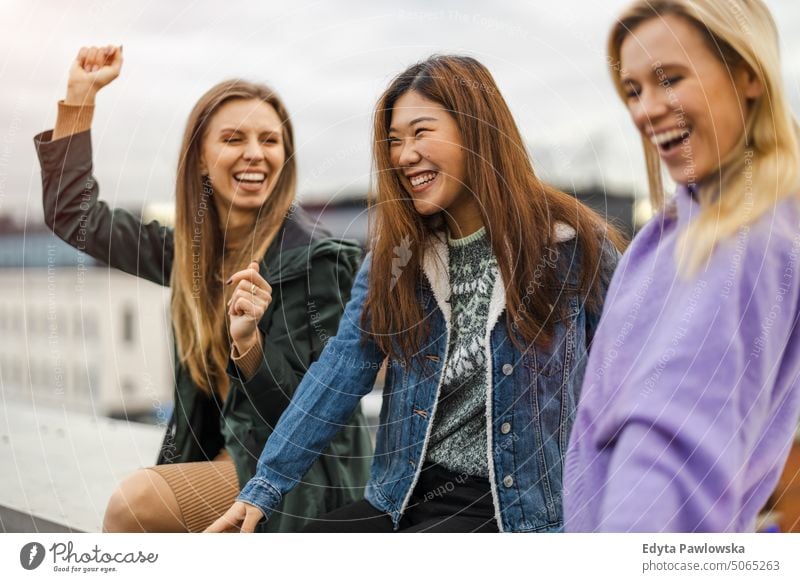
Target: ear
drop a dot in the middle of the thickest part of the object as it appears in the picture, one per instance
(750, 85)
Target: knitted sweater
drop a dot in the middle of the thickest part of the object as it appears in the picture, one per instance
(458, 436)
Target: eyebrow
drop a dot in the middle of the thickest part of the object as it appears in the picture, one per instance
(415, 121)
(240, 130)
(664, 67)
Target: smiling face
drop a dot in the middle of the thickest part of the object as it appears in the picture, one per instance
(427, 153)
(682, 98)
(243, 155)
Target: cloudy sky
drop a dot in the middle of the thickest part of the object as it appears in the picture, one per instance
(329, 61)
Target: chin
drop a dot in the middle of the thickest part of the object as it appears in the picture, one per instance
(426, 209)
(683, 175)
(249, 202)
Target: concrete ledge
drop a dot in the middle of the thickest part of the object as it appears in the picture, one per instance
(60, 467)
(13, 521)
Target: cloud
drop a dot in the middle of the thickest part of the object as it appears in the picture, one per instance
(329, 61)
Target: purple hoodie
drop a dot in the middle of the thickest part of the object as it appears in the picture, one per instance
(691, 397)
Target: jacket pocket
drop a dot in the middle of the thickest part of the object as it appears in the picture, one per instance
(551, 361)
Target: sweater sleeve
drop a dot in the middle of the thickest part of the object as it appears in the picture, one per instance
(73, 210)
(72, 119)
(324, 402)
(248, 362)
(685, 424)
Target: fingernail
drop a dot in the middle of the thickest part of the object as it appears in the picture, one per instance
(229, 281)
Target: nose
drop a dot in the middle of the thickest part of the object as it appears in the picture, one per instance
(408, 153)
(253, 150)
(651, 106)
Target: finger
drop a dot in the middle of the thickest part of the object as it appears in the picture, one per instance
(251, 520)
(247, 285)
(243, 275)
(258, 289)
(247, 307)
(223, 524)
(91, 60)
(112, 54)
(260, 300)
(238, 294)
(99, 59)
(82, 54)
(116, 60)
(251, 275)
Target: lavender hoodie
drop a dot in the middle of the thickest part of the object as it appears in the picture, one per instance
(691, 397)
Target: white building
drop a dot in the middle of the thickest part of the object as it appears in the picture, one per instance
(80, 335)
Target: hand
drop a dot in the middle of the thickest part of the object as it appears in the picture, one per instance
(93, 69)
(247, 306)
(241, 517)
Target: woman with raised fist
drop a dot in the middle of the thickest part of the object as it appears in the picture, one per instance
(256, 290)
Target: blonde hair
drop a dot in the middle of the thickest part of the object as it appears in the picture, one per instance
(198, 298)
(764, 167)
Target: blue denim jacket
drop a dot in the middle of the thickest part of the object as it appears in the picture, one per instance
(531, 400)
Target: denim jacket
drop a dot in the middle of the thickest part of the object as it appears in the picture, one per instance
(530, 402)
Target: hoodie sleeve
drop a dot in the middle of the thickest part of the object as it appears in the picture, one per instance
(686, 432)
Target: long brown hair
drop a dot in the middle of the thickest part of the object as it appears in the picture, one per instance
(519, 211)
(198, 300)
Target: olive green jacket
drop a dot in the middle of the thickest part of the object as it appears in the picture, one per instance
(310, 274)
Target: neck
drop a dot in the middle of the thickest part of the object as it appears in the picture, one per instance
(233, 218)
(463, 220)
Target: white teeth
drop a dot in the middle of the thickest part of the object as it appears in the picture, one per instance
(250, 176)
(422, 178)
(667, 136)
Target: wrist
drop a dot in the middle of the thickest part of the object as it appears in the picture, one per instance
(245, 344)
(80, 95)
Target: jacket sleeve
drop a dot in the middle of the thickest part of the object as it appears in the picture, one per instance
(686, 426)
(285, 359)
(76, 215)
(605, 270)
(324, 402)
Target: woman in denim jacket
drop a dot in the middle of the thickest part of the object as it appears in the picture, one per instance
(481, 292)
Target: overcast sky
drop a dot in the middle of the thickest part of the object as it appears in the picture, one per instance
(329, 61)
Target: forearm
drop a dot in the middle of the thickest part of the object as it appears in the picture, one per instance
(73, 210)
(324, 402)
(671, 481)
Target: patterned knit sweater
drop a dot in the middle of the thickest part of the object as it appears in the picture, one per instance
(458, 436)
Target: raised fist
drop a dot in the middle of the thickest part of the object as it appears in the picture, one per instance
(93, 69)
